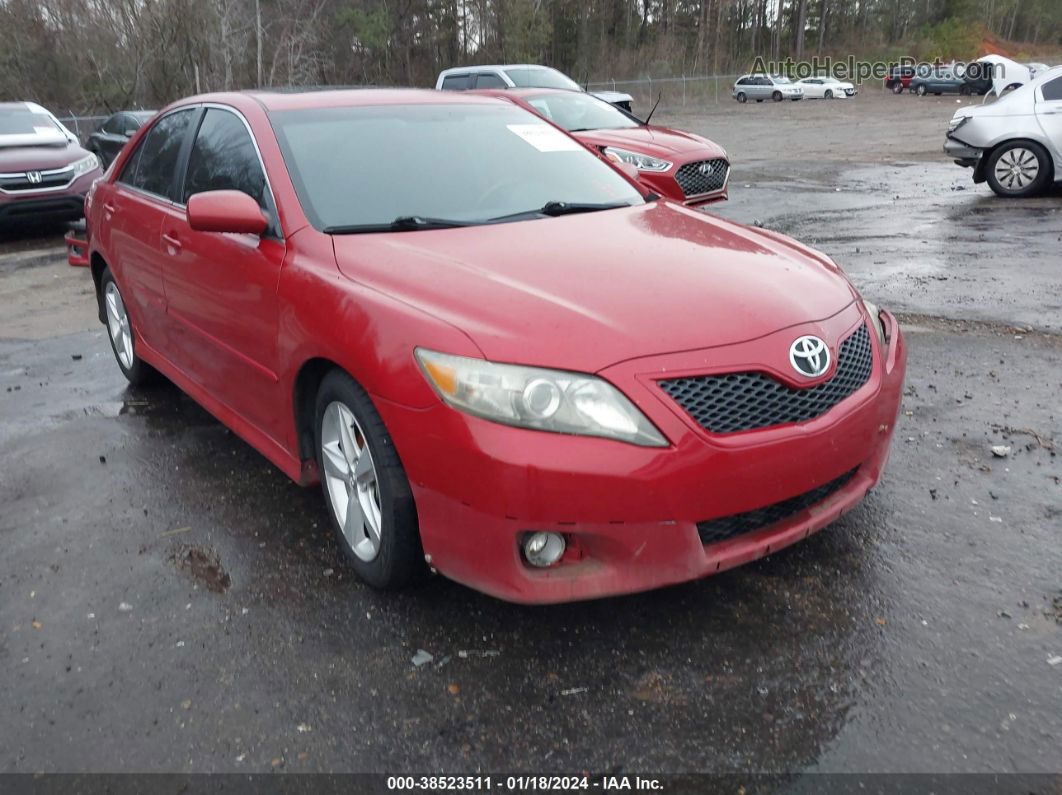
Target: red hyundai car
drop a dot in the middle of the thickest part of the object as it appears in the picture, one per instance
(679, 165)
(497, 355)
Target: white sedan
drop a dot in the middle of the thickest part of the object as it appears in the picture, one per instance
(826, 88)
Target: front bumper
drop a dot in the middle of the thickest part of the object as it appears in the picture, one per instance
(66, 204)
(630, 513)
(962, 153)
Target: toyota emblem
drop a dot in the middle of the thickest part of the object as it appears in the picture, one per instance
(809, 356)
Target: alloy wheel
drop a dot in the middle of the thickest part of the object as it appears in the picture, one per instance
(1017, 168)
(118, 325)
(351, 480)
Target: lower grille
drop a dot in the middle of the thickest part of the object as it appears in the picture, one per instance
(704, 176)
(748, 401)
(714, 530)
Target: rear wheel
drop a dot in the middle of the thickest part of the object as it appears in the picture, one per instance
(921, 90)
(365, 486)
(1019, 169)
(777, 96)
(120, 332)
(897, 88)
(741, 97)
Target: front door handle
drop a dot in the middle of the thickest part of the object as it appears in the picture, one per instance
(172, 242)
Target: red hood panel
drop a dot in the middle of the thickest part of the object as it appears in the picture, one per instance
(656, 141)
(582, 292)
(38, 158)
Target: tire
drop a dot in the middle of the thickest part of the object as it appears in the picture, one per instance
(897, 88)
(1018, 169)
(120, 332)
(777, 96)
(828, 94)
(382, 540)
(740, 97)
(921, 90)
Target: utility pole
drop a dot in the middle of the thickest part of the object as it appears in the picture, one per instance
(258, 38)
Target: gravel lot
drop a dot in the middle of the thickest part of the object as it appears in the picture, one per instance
(169, 602)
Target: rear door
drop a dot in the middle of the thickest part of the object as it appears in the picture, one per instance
(1049, 114)
(144, 192)
(221, 289)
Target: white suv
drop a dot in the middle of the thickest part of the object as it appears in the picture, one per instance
(463, 78)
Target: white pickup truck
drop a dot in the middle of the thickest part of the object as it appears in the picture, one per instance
(463, 78)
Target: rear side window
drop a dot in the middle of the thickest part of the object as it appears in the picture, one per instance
(224, 158)
(152, 167)
(1053, 89)
(744, 81)
(487, 80)
(456, 82)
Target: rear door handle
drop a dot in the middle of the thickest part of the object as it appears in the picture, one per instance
(172, 242)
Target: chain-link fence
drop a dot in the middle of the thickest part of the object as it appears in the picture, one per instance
(82, 126)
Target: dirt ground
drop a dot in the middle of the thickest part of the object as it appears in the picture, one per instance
(169, 602)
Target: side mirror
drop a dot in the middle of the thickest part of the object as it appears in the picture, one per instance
(225, 211)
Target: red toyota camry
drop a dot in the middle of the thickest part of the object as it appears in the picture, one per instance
(496, 355)
(678, 165)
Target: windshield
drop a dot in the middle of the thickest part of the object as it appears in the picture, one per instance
(541, 77)
(23, 121)
(371, 165)
(579, 111)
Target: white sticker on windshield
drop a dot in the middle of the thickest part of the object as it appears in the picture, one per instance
(545, 138)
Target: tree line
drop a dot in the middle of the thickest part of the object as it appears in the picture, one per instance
(93, 56)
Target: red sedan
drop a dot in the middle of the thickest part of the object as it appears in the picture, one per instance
(494, 352)
(681, 166)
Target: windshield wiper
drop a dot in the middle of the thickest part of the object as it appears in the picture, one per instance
(554, 209)
(403, 223)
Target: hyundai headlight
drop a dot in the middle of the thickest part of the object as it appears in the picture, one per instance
(875, 318)
(957, 122)
(531, 397)
(640, 162)
(85, 165)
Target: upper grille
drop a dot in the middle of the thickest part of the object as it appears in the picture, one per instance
(694, 183)
(725, 527)
(14, 183)
(746, 401)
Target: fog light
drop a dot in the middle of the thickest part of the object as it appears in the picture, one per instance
(543, 549)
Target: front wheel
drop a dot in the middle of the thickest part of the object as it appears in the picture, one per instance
(829, 94)
(120, 332)
(777, 96)
(897, 88)
(921, 91)
(365, 486)
(1018, 169)
(741, 97)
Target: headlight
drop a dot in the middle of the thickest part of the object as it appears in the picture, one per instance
(531, 397)
(956, 123)
(641, 162)
(875, 317)
(85, 165)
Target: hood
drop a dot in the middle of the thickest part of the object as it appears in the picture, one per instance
(656, 141)
(46, 157)
(582, 292)
(612, 96)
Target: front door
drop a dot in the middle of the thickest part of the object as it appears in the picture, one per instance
(221, 289)
(1049, 114)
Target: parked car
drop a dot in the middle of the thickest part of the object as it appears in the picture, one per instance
(1014, 143)
(497, 355)
(681, 166)
(115, 132)
(826, 88)
(899, 78)
(761, 87)
(463, 78)
(945, 81)
(44, 172)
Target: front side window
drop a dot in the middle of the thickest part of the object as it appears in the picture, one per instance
(579, 111)
(367, 166)
(540, 77)
(489, 80)
(1052, 90)
(152, 167)
(224, 158)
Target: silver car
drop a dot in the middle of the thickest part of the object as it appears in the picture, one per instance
(1014, 143)
(760, 87)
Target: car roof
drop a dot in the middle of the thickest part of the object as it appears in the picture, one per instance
(340, 98)
(458, 69)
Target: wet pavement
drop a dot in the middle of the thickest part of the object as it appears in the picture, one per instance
(170, 602)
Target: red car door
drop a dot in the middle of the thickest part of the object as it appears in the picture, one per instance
(135, 207)
(221, 289)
